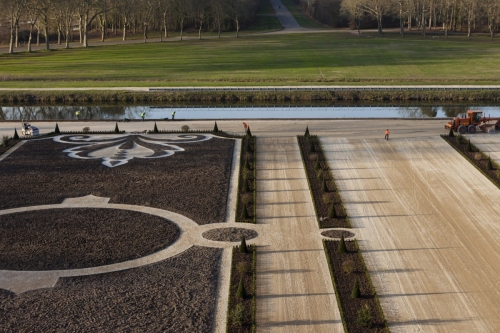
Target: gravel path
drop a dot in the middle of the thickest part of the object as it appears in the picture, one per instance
(294, 288)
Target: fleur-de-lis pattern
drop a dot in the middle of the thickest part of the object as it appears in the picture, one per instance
(117, 150)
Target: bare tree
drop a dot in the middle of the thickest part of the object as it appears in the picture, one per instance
(491, 9)
(470, 8)
(354, 10)
(181, 9)
(218, 11)
(200, 9)
(12, 10)
(45, 10)
(32, 14)
(88, 10)
(377, 9)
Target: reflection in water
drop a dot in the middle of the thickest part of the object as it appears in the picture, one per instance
(119, 112)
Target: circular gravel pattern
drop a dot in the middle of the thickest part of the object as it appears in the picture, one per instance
(337, 234)
(229, 234)
(80, 237)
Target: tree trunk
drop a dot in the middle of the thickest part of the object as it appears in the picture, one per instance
(409, 23)
(124, 30)
(58, 35)
(145, 32)
(68, 32)
(379, 23)
(37, 35)
(199, 30)
(182, 27)
(80, 28)
(11, 41)
(237, 28)
(103, 32)
(218, 29)
(30, 37)
(46, 33)
(17, 34)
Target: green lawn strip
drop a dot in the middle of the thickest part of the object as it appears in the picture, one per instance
(322, 58)
(459, 143)
(302, 18)
(322, 206)
(246, 203)
(243, 320)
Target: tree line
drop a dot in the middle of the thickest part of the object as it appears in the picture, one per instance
(62, 17)
(424, 15)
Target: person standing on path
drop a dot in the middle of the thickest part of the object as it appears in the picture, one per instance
(387, 134)
(143, 115)
(77, 114)
(173, 115)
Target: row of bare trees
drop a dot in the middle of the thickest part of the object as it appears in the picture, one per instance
(413, 14)
(64, 16)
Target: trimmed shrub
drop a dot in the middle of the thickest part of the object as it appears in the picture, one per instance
(249, 134)
(57, 131)
(348, 266)
(451, 135)
(332, 213)
(117, 130)
(306, 134)
(312, 149)
(355, 293)
(469, 146)
(16, 136)
(319, 174)
(342, 247)
(364, 318)
(489, 166)
(324, 188)
(237, 315)
(5, 140)
(241, 267)
(241, 292)
(244, 213)
(185, 128)
(155, 129)
(216, 128)
(318, 164)
(86, 129)
(243, 245)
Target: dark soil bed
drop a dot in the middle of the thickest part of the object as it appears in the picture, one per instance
(78, 238)
(175, 295)
(247, 182)
(193, 182)
(5, 147)
(322, 187)
(475, 156)
(248, 275)
(347, 268)
(229, 234)
(337, 234)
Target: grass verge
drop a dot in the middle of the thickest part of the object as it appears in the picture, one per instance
(246, 204)
(241, 311)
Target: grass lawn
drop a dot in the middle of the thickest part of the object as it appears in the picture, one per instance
(314, 58)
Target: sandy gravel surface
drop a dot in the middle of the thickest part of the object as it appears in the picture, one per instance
(294, 289)
(427, 224)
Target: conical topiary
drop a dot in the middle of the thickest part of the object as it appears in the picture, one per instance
(241, 292)
(489, 166)
(324, 188)
(247, 164)
(117, 130)
(318, 164)
(246, 187)
(469, 146)
(342, 247)
(306, 134)
(155, 129)
(355, 293)
(451, 135)
(249, 134)
(243, 245)
(16, 136)
(244, 213)
(57, 131)
(216, 129)
(332, 213)
(249, 147)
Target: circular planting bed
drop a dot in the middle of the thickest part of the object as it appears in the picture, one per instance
(337, 234)
(229, 234)
(80, 237)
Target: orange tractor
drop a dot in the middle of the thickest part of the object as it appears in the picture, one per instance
(473, 122)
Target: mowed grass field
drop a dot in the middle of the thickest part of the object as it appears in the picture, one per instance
(268, 59)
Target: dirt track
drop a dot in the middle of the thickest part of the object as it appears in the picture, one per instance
(426, 221)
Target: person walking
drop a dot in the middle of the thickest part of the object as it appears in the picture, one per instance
(387, 134)
(143, 115)
(173, 115)
(77, 114)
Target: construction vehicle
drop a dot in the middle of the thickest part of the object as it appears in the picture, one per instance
(474, 121)
(28, 130)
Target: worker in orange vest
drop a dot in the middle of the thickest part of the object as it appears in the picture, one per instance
(387, 134)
